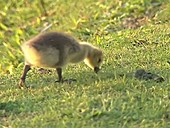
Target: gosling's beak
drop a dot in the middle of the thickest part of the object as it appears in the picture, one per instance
(96, 69)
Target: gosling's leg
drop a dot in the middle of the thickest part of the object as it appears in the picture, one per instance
(59, 72)
(60, 78)
(23, 77)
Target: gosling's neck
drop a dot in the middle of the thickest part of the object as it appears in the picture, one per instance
(86, 48)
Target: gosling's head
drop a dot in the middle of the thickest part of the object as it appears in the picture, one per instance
(94, 59)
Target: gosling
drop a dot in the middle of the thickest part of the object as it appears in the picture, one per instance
(56, 50)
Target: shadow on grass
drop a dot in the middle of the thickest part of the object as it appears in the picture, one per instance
(89, 77)
(20, 106)
(10, 106)
(81, 76)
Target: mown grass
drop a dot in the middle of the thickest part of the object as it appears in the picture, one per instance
(132, 34)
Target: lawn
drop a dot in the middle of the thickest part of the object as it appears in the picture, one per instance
(133, 34)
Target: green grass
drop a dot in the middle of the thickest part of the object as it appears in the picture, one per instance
(132, 34)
